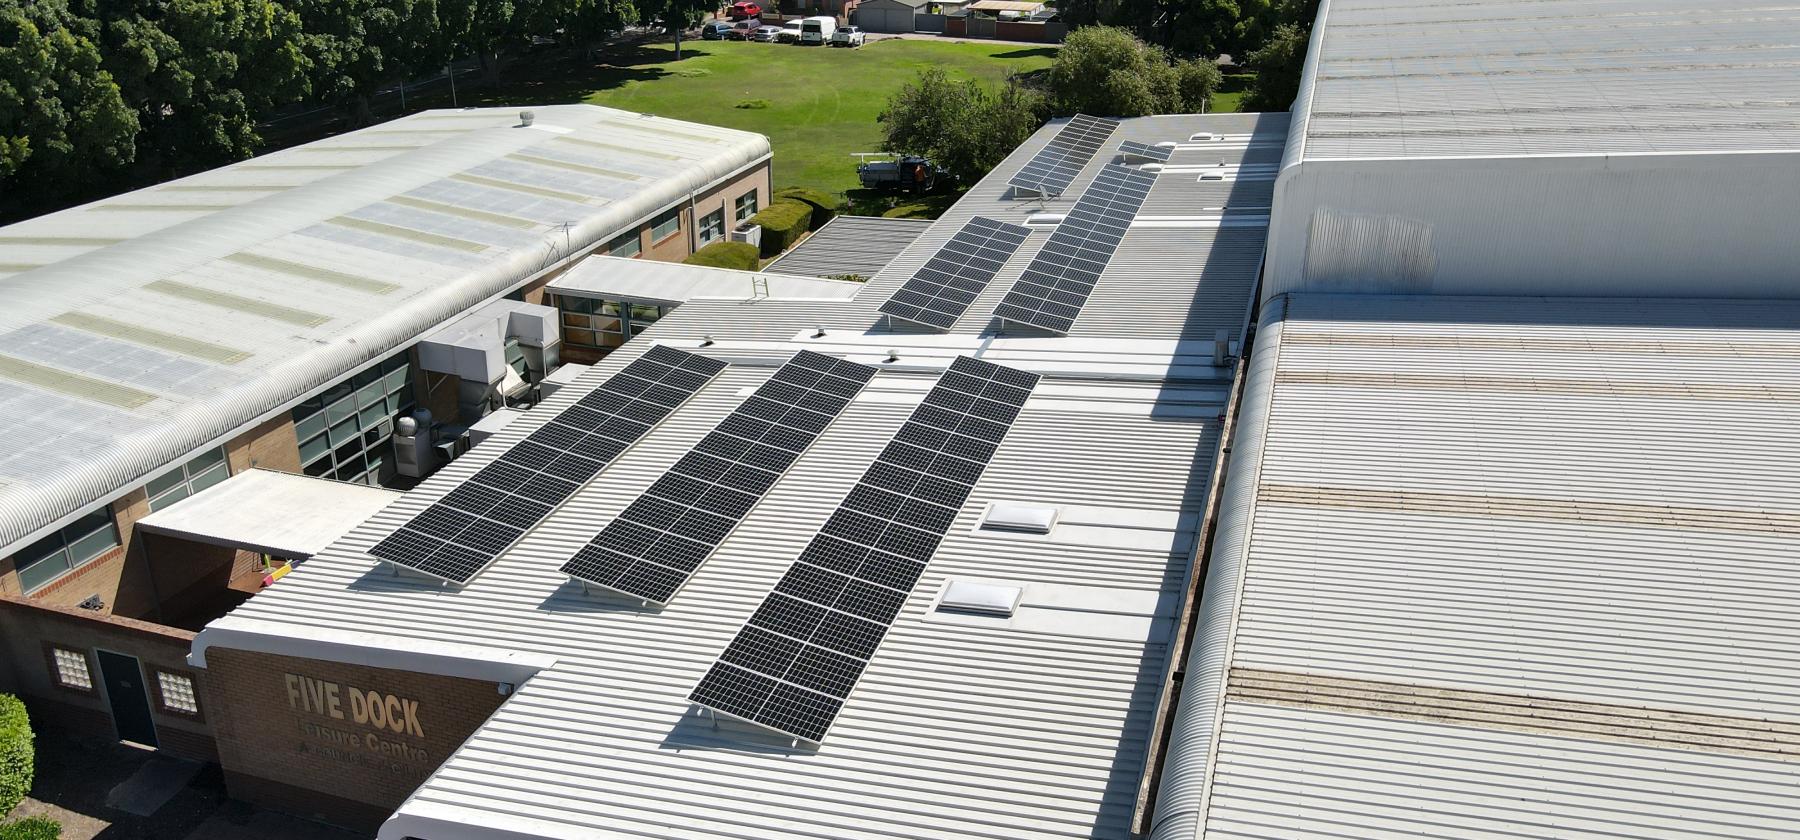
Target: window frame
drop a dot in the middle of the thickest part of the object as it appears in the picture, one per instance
(342, 432)
(738, 211)
(62, 544)
(657, 236)
(712, 226)
(56, 671)
(188, 479)
(160, 700)
(636, 242)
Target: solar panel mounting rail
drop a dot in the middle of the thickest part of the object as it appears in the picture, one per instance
(1052, 290)
(794, 663)
(459, 535)
(944, 287)
(657, 543)
(1055, 166)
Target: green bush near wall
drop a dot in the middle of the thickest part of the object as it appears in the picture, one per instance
(31, 828)
(739, 255)
(16, 754)
(824, 204)
(783, 223)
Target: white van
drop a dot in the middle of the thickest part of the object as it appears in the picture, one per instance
(817, 30)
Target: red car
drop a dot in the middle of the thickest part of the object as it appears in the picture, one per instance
(739, 11)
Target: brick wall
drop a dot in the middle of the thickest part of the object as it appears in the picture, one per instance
(298, 735)
(30, 628)
(270, 446)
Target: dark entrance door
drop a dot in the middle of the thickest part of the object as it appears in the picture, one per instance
(130, 703)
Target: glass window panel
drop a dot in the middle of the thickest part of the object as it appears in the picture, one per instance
(578, 305)
(307, 409)
(372, 395)
(666, 225)
(164, 483)
(218, 473)
(368, 377)
(398, 361)
(745, 207)
(397, 379)
(94, 544)
(373, 414)
(318, 468)
(44, 570)
(345, 431)
(205, 461)
(346, 407)
(175, 494)
(712, 225)
(627, 245)
(313, 448)
(349, 450)
(575, 319)
(611, 307)
(585, 338)
(313, 425)
(646, 315)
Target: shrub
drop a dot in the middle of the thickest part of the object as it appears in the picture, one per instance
(783, 223)
(16, 755)
(738, 255)
(752, 104)
(31, 828)
(824, 204)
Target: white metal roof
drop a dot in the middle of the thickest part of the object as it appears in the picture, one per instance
(1503, 562)
(139, 329)
(672, 284)
(860, 245)
(1495, 78)
(967, 726)
(283, 514)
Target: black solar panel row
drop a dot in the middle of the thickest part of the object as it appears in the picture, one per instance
(1132, 148)
(1053, 288)
(1055, 166)
(944, 287)
(795, 662)
(652, 547)
(461, 533)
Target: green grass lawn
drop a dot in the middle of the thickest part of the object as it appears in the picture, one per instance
(821, 102)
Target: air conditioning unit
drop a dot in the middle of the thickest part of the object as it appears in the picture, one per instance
(746, 232)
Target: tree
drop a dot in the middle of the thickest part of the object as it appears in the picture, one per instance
(960, 125)
(63, 124)
(1106, 71)
(1278, 64)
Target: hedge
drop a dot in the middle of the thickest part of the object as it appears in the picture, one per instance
(739, 255)
(783, 223)
(31, 828)
(824, 204)
(15, 753)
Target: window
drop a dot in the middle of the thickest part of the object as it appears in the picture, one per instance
(627, 245)
(746, 206)
(344, 432)
(604, 324)
(72, 669)
(712, 226)
(66, 550)
(666, 225)
(175, 694)
(194, 476)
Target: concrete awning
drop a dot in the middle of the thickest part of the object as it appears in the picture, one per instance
(286, 515)
(672, 284)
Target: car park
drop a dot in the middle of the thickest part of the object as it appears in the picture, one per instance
(740, 11)
(716, 30)
(743, 29)
(848, 36)
(766, 34)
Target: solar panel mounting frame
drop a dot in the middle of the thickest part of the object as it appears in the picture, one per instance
(1054, 167)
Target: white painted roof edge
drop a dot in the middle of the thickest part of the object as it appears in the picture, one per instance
(374, 650)
(439, 821)
(1187, 767)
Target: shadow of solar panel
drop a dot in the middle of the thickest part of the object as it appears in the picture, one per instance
(942, 289)
(1055, 166)
(1052, 290)
(469, 527)
(797, 659)
(659, 540)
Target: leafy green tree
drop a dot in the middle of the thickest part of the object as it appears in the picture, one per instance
(63, 124)
(356, 46)
(959, 125)
(1278, 64)
(1106, 71)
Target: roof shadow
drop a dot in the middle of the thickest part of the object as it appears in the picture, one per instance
(700, 730)
(573, 596)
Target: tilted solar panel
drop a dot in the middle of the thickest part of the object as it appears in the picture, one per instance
(794, 663)
(1134, 149)
(1050, 293)
(1055, 166)
(655, 545)
(466, 530)
(942, 289)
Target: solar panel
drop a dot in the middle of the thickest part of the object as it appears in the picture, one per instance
(1053, 288)
(1145, 151)
(1055, 166)
(792, 666)
(652, 547)
(944, 287)
(460, 534)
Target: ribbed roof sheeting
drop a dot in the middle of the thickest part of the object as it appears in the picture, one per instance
(139, 329)
(1427, 78)
(860, 245)
(1579, 504)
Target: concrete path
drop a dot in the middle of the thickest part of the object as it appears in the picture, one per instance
(152, 786)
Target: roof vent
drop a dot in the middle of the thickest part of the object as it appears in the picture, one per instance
(526, 118)
(1022, 518)
(1152, 167)
(1167, 144)
(1204, 135)
(1212, 176)
(1044, 219)
(980, 598)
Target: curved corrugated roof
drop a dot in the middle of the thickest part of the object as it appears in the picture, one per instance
(138, 329)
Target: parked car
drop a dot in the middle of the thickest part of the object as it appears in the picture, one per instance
(910, 173)
(716, 30)
(790, 32)
(817, 30)
(740, 11)
(767, 34)
(847, 36)
(743, 29)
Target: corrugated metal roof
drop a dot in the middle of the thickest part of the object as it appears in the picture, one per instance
(651, 281)
(1516, 562)
(138, 329)
(1034, 728)
(1549, 77)
(859, 245)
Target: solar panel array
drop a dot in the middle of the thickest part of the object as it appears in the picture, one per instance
(1132, 148)
(652, 547)
(1054, 287)
(1055, 166)
(461, 533)
(794, 663)
(944, 287)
